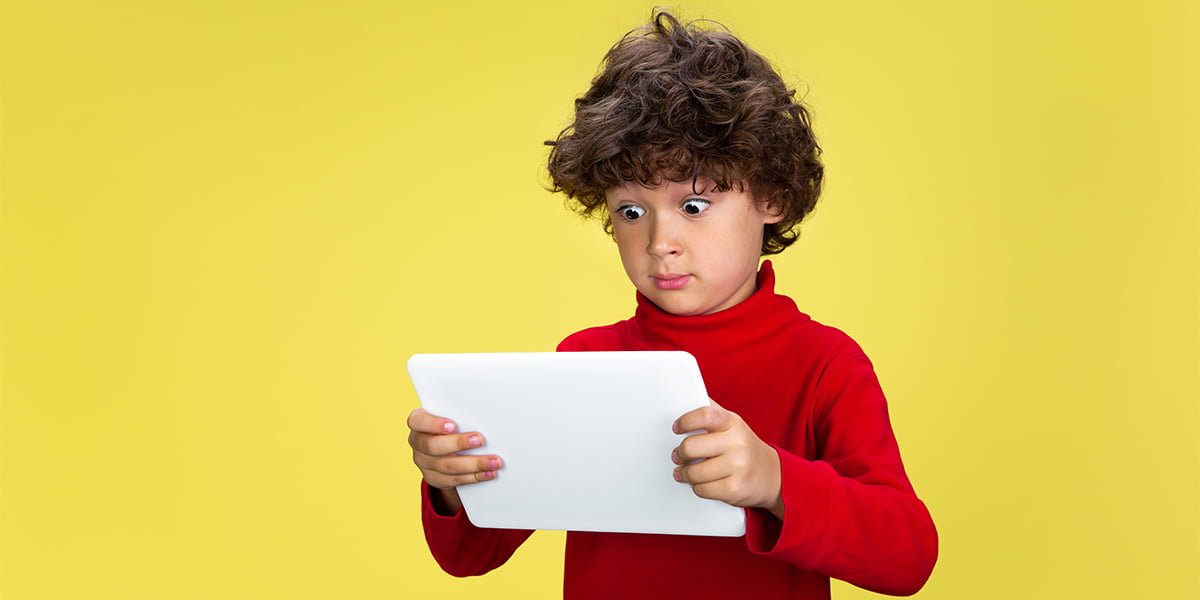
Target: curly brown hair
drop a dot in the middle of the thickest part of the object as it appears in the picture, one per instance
(679, 101)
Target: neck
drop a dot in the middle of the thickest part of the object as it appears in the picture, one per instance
(762, 312)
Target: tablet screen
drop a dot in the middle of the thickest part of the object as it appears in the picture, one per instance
(585, 437)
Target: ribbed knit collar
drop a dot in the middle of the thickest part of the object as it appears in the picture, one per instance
(751, 319)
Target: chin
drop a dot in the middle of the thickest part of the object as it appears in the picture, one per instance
(678, 306)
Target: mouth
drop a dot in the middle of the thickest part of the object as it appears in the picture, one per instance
(671, 281)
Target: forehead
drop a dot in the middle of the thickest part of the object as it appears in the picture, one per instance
(700, 185)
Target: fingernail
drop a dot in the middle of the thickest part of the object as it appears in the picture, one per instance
(678, 476)
(674, 457)
(448, 427)
(474, 440)
(675, 427)
(493, 463)
(489, 474)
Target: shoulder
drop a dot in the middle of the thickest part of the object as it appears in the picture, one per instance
(841, 367)
(825, 345)
(812, 337)
(834, 339)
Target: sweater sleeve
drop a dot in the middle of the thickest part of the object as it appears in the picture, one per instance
(461, 548)
(458, 546)
(852, 514)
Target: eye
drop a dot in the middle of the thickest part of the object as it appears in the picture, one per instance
(695, 206)
(631, 212)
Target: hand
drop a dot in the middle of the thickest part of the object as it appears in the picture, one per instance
(732, 464)
(435, 451)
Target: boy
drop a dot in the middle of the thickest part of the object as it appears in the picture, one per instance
(701, 161)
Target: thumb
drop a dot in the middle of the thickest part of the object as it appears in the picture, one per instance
(724, 410)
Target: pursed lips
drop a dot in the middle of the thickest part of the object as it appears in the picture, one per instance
(670, 281)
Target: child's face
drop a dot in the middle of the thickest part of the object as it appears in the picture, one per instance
(690, 254)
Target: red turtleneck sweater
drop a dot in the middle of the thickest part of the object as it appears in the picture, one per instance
(809, 391)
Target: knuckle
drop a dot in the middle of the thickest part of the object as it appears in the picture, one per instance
(463, 441)
(725, 488)
(450, 466)
(459, 466)
(423, 443)
(739, 462)
(433, 445)
(430, 445)
(732, 486)
(420, 443)
(437, 464)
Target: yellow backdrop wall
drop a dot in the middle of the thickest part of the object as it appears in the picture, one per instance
(226, 225)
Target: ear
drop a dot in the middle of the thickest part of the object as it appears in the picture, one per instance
(773, 213)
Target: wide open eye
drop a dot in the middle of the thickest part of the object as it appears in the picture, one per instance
(695, 206)
(631, 212)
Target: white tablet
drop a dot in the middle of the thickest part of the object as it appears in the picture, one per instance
(585, 437)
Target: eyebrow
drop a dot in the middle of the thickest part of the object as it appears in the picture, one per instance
(626, 197)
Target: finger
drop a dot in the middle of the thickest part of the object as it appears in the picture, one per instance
(438, 480)
(703, 472)
(454, 464)
(467, 465)
(708, 418)
(713, 490)
(420, 420)
(444, 445)
(698, 446)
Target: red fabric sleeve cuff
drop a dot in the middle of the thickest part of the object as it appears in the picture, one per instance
(810, 514)
(432, 517)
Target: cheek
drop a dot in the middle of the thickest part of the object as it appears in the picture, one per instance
(755, 222)
(746, 233)
(627, 244)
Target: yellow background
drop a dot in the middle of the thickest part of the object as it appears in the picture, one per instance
(226, 225)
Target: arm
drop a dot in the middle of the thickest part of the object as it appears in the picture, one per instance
(460, 548)
(852, 514)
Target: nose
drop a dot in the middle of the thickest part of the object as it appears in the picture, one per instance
(664, 238)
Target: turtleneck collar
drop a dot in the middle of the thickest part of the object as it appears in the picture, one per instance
(759, 315)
